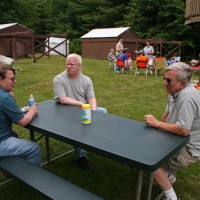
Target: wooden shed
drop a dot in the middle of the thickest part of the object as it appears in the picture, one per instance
(98, 42)
(16, 40)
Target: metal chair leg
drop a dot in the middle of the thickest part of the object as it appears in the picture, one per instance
(146, 71)
(136, 70)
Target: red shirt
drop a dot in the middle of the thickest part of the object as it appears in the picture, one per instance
(128, 54)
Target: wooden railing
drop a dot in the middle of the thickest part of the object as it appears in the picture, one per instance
(192, 12)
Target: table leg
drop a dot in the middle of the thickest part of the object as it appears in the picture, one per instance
(47, 149)
(150, 184)
(139, 184)
(32, 135)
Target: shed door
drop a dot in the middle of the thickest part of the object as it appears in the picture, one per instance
(18, 50)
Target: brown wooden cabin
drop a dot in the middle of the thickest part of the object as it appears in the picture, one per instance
(98, 42)
(16, 40)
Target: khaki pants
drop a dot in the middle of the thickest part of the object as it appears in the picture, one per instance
(181, 160)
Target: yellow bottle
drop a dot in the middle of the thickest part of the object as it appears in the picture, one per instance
(86, 114)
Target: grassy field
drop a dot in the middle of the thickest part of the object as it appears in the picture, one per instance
(125, 95)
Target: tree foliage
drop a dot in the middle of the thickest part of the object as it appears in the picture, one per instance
(162, 19)
(77, 17)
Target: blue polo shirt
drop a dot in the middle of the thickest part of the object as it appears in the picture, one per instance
(9, 113)
(123, 56)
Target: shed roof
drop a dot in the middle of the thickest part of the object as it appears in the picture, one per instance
(105, 32)
(2, 26)
(56, 40)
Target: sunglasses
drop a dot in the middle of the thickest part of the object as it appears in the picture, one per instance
(167, 79)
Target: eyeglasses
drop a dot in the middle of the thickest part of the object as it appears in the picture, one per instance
(70, 64)
(11, 79)
(167, 79)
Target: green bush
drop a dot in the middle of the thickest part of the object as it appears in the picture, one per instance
(75, 46)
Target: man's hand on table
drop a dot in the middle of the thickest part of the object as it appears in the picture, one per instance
(151, 121)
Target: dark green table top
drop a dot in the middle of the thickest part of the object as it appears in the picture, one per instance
(125, 140)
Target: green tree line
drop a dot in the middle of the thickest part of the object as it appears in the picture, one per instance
(160, 19)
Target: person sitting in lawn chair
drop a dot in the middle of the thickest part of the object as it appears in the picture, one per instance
(195, 64)
(129, 61)
(112, 59)
(123, 56)
(141, 62)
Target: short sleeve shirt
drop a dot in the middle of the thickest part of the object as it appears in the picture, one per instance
(184, 110)
(123, 56)
(119, 47)
(9, 113)
(147, 50)
(80, 89)
(111, 56)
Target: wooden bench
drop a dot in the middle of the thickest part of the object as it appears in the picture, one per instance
(42, 181)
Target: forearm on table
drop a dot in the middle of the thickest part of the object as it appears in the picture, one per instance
(69, 101)
(26, 119)
(173, 128)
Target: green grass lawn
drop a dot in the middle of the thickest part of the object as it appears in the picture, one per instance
(124, 95)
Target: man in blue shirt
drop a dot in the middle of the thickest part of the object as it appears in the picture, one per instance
(10, 113)
(123, 56)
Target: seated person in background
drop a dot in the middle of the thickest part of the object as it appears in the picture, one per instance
(71, 87)
(174, 59)
(111, 55)
(129, 61)
(112, 58)
(10, 113)
(149, 52)
(170, 61)
(127, 53)
(195, 64)
(177, 58)
(124, 57)
(141, 57)
(181, 117)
